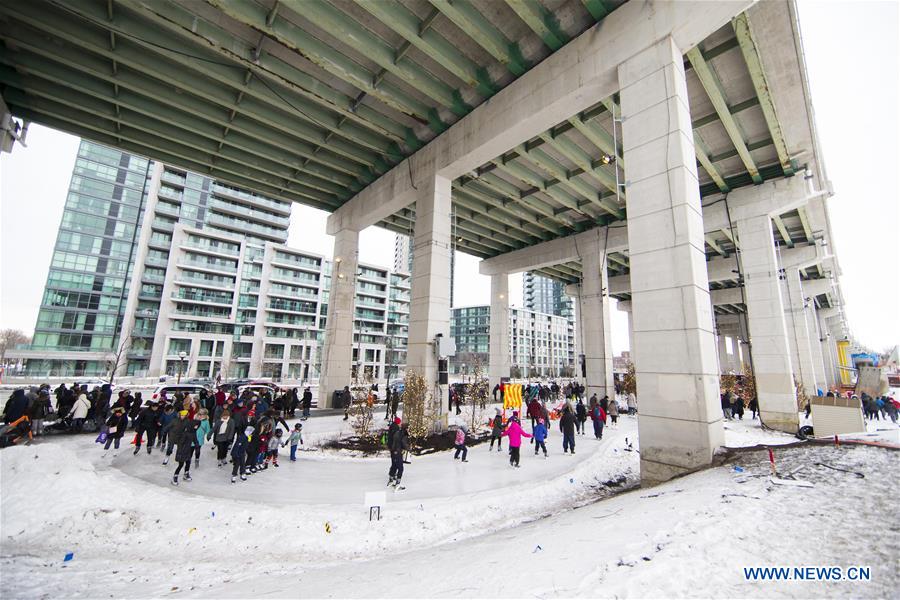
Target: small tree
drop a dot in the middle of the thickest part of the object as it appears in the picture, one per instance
(417, 405)
(9, 339)
(362, 409)
(802, 397)
(119, 358)
(629, 382)
(477, 393)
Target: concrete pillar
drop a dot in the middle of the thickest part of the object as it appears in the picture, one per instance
(797, 331)
(724, 367)
(429, 309)
(499, 340)
(765, 320)
(829, 358)
(674, 343)
(594, 308)
(734, 359)
(815, 347)
(338, 347)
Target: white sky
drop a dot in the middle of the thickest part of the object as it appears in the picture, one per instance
(852, 57)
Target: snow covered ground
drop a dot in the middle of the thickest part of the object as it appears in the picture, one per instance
(458, 530)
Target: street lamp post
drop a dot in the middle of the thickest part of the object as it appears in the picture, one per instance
(181, 356)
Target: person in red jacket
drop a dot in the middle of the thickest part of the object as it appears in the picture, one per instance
(534, 413)
(598, 416)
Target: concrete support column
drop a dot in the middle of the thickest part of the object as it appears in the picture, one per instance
(338, 348)
(674, 342)
(798, 333)
(429, 309)
(829, 356)
(765, 320)
(595, 322)
(499, 328)
(815, 347)
(722, 353)
(734, 360)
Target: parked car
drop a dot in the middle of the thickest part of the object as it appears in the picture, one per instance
(260, 388)
(91, 383)
(184, 388)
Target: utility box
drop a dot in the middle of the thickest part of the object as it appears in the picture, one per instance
(835, 415)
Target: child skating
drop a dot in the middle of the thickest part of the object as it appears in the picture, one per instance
(497, 431)
(515, 432)
(272, 449)
(295, 438)
(460, 444)
(239, 453)
(540, 434)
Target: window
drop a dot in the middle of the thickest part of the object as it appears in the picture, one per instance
(206, 348)
(177, 345)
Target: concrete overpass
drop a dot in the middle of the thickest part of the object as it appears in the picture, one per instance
(650, 151)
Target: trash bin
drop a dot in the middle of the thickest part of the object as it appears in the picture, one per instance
(337, 400)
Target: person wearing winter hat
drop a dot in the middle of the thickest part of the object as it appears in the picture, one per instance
(224, 433)
(460, 444)
(515, 432)
(540, 434)
(272, 448)
(497, 431)
(176, 431)
(186, 440)
(295, 438)
(204, 432)
(116, 425)
(239, 453)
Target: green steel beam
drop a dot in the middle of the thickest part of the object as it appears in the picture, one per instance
(598, 136)
(758, 76)
(613, 257)
(335, 115)
(431, 43)
(189, 71)
(713, 87)
(703, 157)
(785, 235)
(159, 137)
(55, 62)
(751, 146)
(804, 220)
(108, 136)
(508, 190)
(323, 55)
(712, 243)
(523, 174)
(350, 32)
(472, 23)
(573, 152)
(50, 81)
(527, 221)
(478, 211)
(509, 214)
(597, 9)
(571, 181)
(541, 21)
(730, 237)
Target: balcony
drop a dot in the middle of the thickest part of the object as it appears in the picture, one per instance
(163, 225)
(242, 226)
(167, 209)
(173, 178)
(280, 207)
(247, 212)
(207, 266)
(201, 298)
(167, 193)
(211, 248)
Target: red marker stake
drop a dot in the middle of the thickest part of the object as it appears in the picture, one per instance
(772, 461)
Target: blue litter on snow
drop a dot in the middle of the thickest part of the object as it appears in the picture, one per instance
(738, 469)
(213, 513)
(571, 480)
(69, 557)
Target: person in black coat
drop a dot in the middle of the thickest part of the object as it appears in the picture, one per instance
(186, 441)
(398, 444)
(567, 427)
(580, 416)
(307, 402)
(147, 421)
(117, 423)
(239, 453)
(176, 431)
(15, 406)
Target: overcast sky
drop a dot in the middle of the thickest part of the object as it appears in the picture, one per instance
(852, 56)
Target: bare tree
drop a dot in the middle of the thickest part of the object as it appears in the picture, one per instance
(119, 359)
(477, 394)
(9, 339)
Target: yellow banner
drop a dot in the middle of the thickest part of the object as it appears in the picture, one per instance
(512, 396)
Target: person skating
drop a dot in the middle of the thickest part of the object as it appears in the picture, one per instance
(580, 416)
(540, 435)
(239, 453)
(754, 407)
(497, 431)
(224, 433)
(399, 443)
(186, 441)
(613, 413)
(307, 402)
(147, 421)
(515, 432)
(295, 438)
(176, 432)
(272, 449)
(460, 443)
(598, 416)
(567, 423)
(116, 425)
(204, 432)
